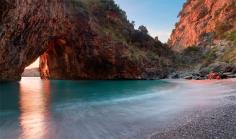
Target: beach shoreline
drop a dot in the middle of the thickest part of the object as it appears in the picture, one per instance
(217, 122)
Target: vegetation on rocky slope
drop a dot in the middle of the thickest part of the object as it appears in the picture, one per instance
(93, 39)
(205, 37)
(78, 39)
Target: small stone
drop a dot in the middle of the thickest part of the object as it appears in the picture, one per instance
(188, 77)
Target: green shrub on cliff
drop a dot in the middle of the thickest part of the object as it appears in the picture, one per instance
(111, 22)
(189, 57)
(230, 55)
(222, 28)
(210, 55)
(191, 50)
(231, 36)
(143, 29)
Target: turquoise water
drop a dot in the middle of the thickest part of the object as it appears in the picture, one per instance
(38, 109)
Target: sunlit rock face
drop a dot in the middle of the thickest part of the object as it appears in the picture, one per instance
(203, 21)
(76, 39)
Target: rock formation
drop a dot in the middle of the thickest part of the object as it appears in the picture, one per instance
(26, 27)
(76, 39)
(205, 38)
(203, 21)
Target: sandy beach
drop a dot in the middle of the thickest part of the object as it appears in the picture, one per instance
(213, 123)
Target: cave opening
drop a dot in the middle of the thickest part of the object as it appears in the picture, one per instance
(32, 70)
(39, 67)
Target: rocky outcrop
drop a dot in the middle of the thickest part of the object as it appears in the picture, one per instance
(26, 27)
(103, 45)
(202, 22)
(76, 39)
(205, 40)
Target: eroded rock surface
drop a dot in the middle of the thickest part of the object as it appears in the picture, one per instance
(202, 22)
(76, 39)
(205, 39)
(26, 27)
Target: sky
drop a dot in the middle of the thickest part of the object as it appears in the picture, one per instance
(35, 64)
(159, 16)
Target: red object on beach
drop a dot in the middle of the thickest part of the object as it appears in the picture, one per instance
(213, 75)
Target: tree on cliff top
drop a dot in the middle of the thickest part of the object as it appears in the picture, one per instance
(143, 29)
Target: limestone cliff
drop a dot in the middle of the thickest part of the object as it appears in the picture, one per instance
(76, 39)
(203, 21)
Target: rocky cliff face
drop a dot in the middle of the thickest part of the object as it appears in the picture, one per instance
(203, 21)
(102, 45)
(205, 38)
(26, 27)
(76, 39)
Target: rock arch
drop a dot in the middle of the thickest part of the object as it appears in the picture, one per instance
(76, 40)
(26, 28)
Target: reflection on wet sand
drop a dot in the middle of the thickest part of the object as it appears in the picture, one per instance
(34, 109)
